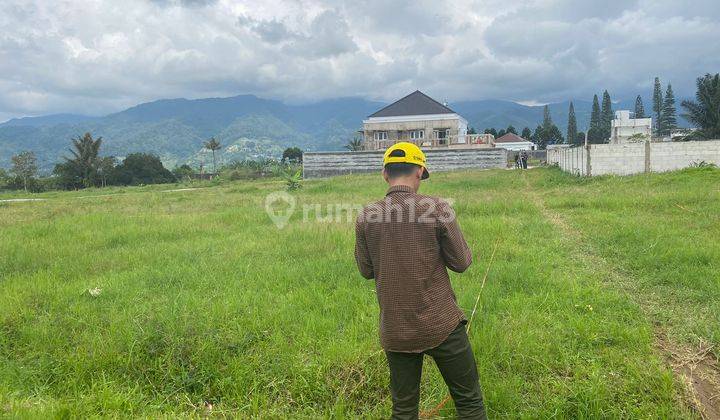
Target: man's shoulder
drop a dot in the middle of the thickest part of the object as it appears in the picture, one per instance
(437, 203)
(428, 198)
(419, 204)
(409, 196)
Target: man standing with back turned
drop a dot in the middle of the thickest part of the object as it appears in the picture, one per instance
(406, 242)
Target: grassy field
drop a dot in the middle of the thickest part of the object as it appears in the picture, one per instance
(203, 302)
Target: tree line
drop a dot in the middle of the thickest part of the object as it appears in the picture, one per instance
(85, 167)
(703, 113)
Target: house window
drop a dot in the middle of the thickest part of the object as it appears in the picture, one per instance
(441, 136)
(417, 134)
(381, 135)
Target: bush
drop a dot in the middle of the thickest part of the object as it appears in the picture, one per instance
(67, 177)
(34, 185)
(4, 178)
(292, 177)
(702, 164)
(141, 169)
(292, 154)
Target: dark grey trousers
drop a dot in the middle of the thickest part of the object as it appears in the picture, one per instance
(456, 362)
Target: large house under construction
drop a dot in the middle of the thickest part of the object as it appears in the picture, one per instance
(419, 119)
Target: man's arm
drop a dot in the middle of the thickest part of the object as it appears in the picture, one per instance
(454, 249)
(362, 256)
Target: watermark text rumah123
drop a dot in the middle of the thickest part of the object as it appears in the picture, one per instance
(280, 206)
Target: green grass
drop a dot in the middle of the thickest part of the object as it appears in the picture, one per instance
(204, 300)
(662, 233)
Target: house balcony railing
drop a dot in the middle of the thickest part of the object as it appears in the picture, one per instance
(470, 140)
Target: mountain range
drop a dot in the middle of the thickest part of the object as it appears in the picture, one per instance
(247, 126)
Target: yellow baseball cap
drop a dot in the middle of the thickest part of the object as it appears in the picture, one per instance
(404, 152)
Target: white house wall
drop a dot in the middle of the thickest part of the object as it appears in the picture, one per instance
(456, 125)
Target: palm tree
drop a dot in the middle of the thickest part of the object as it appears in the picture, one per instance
(85, 158)
(213, 145)
(704, 112)
(354, 145)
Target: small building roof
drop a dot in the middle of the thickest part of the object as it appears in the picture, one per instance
(416, 103)
(510, 138)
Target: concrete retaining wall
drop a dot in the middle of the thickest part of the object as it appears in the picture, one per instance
(633, 158)
(677, 155)
(324, 164)
(617, 159)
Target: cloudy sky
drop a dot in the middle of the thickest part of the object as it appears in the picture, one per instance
(95, 56)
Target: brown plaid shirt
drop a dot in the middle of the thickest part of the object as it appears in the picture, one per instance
(405, 242)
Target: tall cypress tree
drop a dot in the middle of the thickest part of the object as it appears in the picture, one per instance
(668, 119)
(547, 119)
(639, 108)
(546, 128)
(537, 134)
(595, 131)
(572, 126)
(657, 102)
(606, 116)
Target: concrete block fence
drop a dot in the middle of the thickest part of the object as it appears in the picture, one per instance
(633, 158)
(325, 164)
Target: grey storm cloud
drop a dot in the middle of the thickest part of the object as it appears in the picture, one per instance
(98, 57)
(325, 35)
(270, 31)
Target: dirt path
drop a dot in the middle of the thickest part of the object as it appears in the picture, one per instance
(20, 200)
(699, 373)
(696, 369)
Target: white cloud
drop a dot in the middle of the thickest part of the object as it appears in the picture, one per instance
(100, 56)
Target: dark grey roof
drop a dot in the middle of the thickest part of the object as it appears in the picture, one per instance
(416, 103)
